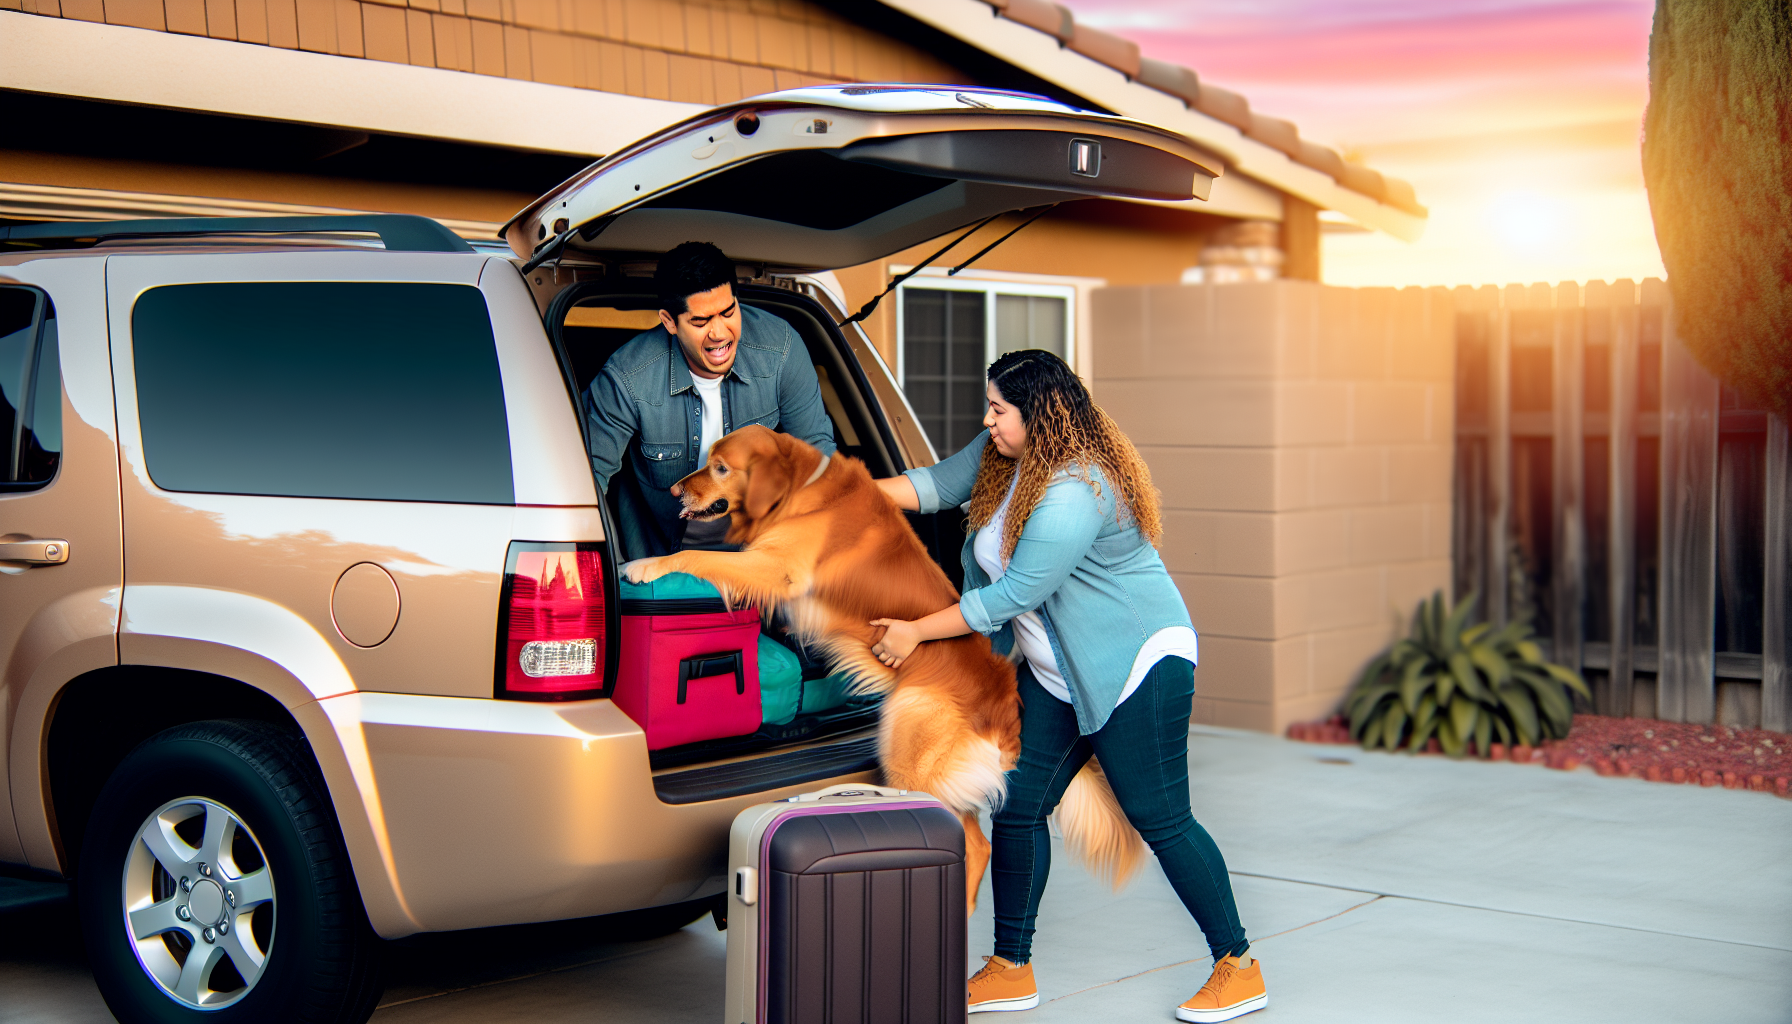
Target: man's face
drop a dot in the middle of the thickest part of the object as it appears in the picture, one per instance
(708, 330)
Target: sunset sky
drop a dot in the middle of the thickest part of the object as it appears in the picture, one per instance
(1518, 121)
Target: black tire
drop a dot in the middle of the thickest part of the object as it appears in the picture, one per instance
(323, 963)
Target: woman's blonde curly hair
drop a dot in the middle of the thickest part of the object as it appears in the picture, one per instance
(1065, 430)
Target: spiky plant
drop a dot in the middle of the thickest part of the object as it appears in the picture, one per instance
(1461, 683)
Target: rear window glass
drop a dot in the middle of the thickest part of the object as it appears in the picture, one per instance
(30, 390)
(322, 390)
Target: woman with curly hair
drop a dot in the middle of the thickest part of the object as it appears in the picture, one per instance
(1060, 564)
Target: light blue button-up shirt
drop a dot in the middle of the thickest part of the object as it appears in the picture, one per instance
(1097, 583)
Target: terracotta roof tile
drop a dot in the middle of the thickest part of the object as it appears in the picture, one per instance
(1220, 104)
(1120, 54)
(1399, 194)
(1174, 79)
(1321, 158)
(1225, 105)
(1358, 178)
(1052, 19)
(1275, 133)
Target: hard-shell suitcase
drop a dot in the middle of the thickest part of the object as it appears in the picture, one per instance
(689, 666)
(847, 906)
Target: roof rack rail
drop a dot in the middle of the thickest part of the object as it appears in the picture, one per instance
(400, 232)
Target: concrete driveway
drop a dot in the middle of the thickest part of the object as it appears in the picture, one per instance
(1375, 887)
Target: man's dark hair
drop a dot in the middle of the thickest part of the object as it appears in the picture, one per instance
(687, 270)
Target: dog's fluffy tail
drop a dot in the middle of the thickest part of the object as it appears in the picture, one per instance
(1096, 831)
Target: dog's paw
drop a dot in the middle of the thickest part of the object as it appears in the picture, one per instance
(642, 570)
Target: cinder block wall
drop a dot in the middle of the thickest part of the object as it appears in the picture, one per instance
(1302, 438)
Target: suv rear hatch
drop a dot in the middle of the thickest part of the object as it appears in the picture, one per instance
(808, 180)
(835, 176)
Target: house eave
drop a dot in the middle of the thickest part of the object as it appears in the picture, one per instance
(114, 63)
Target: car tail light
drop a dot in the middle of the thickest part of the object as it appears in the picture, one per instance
(552, 618)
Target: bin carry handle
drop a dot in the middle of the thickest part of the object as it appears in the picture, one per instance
(702, 666)
(849, 789)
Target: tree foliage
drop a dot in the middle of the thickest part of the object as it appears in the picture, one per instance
(1717, 160)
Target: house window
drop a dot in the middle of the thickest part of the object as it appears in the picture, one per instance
(951, 330)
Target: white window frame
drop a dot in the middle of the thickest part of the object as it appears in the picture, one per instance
(1073, 290)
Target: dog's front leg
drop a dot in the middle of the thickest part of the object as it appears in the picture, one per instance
(642, 570)
(746, 577)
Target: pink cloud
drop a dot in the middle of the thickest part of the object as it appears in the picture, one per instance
(1503, 43)
(1316, 61)
(1486, 106)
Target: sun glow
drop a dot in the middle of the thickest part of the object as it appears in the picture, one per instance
(1518, 122)
(1528, 222)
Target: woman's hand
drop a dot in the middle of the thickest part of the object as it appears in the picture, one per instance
(899, 641)
(901, 638)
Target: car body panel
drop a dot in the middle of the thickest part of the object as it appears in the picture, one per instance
(57, 621)
(629, 202)
(470, 813)
(267, 566)
(548, 463)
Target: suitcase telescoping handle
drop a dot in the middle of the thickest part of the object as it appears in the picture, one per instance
(702, 666)
(746, 879)
(849, 789)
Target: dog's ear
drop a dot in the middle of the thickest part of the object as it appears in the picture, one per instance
(770, 480)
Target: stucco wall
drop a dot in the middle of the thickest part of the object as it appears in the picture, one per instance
(1301, 436)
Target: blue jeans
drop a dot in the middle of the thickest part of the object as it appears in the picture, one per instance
(1143, 749)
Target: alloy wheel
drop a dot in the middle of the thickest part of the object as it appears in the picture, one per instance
(198, 900)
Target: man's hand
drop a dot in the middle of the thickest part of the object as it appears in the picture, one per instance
(643, 570)
(899, 641)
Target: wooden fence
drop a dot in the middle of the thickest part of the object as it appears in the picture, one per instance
(1636, 510)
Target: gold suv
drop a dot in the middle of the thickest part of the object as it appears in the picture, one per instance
(260, 484)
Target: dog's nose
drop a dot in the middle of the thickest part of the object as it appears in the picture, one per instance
(677, 491)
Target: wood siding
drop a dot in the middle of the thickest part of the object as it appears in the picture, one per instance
(692, 51)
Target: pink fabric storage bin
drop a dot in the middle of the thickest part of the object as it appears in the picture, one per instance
(688, 678)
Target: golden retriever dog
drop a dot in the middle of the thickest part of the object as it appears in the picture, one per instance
(821, 543)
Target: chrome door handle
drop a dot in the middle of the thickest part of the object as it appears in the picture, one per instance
(35, 552)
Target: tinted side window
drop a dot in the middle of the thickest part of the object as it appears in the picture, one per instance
(30, 390)
(322, 390)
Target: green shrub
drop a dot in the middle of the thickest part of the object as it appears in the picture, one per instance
(1461, 683)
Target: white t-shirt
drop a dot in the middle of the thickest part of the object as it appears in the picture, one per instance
(710, 393)
(1029, 628)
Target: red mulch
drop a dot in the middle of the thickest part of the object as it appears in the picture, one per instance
(1705, 755)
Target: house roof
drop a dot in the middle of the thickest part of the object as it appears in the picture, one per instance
(565, 87)
(1045, 39)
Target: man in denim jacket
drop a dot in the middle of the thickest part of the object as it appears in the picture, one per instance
(671, 392)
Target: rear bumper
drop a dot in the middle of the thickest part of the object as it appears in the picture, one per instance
(464, 813)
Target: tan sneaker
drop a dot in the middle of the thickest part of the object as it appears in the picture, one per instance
(1232, 991)
(1001, 985)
